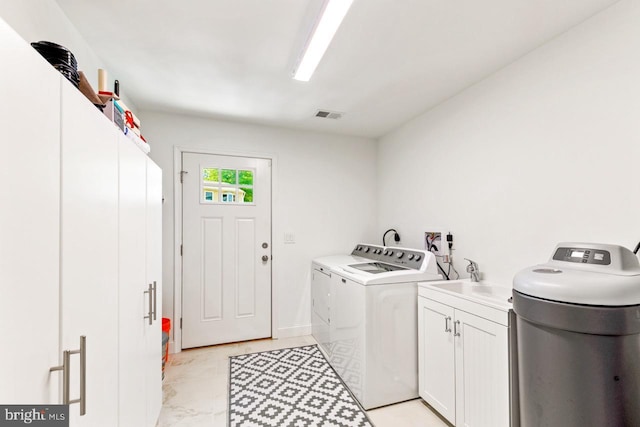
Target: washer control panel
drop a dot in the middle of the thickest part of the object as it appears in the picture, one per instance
(583, 255)
(397, 256)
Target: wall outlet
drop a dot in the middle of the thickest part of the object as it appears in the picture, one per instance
(435, 243)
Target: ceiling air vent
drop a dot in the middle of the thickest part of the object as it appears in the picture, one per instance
(329, 114)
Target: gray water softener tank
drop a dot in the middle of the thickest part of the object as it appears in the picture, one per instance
(578, 322)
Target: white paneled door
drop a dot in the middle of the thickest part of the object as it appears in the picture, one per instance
(226, 287)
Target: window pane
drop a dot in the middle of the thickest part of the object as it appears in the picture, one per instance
(245, 177)
(210, 194)
(228, 195)
(229, 176)
(245, 195)
(210, 174)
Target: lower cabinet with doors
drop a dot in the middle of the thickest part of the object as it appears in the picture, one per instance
(464, 365)
(62, 260)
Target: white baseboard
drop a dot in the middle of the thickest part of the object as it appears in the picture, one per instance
(294, 331)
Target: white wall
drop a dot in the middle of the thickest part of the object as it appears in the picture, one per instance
(324, 193)
(545, 150)
(38, 20)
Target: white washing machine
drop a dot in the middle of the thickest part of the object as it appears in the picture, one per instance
(372, 340)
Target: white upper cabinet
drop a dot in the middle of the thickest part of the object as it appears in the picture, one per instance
(153, 342)
(89, 255)
(140, 228)
(134, 303)
(80, 242)
(29, 223)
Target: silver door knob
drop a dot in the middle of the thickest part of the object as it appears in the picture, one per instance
(265, 258)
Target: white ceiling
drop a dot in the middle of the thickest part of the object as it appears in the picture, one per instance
(390, 60)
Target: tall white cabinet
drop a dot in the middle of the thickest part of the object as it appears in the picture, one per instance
(29, 223)
(89, 255)
(140, 203)
(80, 242)
(153, 343)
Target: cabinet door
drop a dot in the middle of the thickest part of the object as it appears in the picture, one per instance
(133, 302)
(153, 343)
(29, 223)
(482, 372)
(436, 352)
(89, 255)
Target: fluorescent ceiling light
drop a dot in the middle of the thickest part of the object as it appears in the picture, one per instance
(330, 19)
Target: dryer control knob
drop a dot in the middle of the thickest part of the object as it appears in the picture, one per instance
(410, 257)
(366, 249)
(386, 252)
(418, 257)
(400, 254)
(390, 253)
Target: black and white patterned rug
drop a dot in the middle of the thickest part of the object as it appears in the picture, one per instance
(290, 387)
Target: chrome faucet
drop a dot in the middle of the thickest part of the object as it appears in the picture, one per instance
(473, 270)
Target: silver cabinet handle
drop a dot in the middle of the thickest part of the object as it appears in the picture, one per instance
(456, 328)
(150, 292)
(66, 375)
(447, 326)
(155, 300)
(265, 258)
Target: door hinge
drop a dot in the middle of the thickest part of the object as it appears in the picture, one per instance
(180, 250)
(182, 176)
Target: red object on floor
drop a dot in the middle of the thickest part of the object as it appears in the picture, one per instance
(166, 327)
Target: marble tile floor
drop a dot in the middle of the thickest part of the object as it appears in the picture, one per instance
(196, 381)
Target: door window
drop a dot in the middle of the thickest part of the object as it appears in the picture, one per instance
(228, 186)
